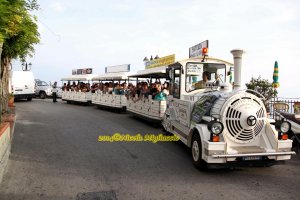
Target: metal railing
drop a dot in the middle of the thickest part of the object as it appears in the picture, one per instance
(290, 103)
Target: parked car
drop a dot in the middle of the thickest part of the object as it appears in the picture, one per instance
(42, 89)
(23, 85)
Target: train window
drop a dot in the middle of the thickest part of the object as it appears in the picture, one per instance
(193, 76)
(217, 72)
(197, 74)
(175, 81)
(176, 88)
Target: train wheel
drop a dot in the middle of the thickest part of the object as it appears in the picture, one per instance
(197, 152)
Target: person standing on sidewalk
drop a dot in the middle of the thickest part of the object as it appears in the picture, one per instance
(54, 91)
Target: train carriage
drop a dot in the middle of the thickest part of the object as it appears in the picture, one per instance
(111, 99)
(77, 95)
(145, 106)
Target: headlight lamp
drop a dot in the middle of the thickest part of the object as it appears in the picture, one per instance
(285, 127)
(215, 127)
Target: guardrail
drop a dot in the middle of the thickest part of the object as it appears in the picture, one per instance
(290, 105)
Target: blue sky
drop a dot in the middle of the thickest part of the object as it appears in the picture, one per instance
(78, 34)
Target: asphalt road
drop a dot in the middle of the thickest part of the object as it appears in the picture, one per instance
(56, 155)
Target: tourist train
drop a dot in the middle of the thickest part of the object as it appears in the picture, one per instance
(200, 100)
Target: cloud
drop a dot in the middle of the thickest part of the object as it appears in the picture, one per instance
(101, 33)
(57, 7)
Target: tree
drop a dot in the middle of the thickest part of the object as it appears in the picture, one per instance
(18, 33)
(264, 87)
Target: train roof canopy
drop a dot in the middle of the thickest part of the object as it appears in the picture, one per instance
(156, 72)
(112, 76)
(82, 77)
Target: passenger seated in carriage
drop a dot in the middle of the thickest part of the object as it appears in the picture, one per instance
(138, 89)
(129, 90)
(105, 88)
(74, 86)
(64, 87)
(110, 88)
(143, 91)
(166, 88)
(118, 89)
(94, 87)
(123, 88)
(153, 90)
(160, 95)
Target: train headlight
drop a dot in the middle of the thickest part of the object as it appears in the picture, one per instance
(285, 127)
(215, 127)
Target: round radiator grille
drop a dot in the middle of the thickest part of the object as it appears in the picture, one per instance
(244, 118)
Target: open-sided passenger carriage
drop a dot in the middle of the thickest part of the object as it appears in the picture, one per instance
(111, 99)
(146, 107)
(72, 96)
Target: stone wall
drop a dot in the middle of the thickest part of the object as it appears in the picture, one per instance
(5, 145)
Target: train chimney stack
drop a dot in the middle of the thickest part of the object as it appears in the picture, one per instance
(237, 57)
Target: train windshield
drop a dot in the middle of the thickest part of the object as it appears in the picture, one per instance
(198, 74)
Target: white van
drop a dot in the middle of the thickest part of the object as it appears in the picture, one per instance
(23, 85)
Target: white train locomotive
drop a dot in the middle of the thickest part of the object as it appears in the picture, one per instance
(221, 125)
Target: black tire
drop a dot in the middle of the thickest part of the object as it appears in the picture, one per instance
(29, 98)
(296, 144)
(165, 132)
(196, 151)
(68, 102)
(43, 95)
(156, 124)
(118, 110)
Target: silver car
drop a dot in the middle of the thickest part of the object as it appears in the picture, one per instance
(43, 89)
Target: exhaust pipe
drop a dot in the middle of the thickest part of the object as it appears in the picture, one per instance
(237, 61)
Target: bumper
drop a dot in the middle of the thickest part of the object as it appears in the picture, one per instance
(265, 162)
(253, 154)
(242, 160)
(216, 153)
(24, 96)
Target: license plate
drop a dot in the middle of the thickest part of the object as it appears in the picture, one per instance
(252, 158)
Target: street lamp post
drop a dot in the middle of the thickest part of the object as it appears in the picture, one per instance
(26, 67)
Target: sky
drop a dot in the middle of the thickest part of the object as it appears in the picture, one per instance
(96, 33)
